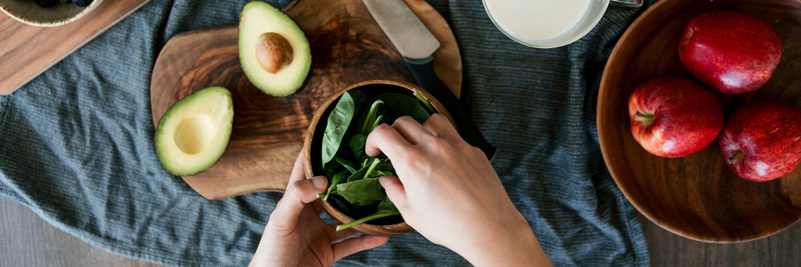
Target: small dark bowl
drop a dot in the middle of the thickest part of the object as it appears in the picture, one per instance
(313, 142)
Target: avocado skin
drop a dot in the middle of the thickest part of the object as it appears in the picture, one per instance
(168, 152)
(257, 18)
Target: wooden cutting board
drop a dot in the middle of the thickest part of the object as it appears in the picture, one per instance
(26, 51)
(347, 47)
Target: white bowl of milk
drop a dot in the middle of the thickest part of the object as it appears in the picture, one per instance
(548, 23)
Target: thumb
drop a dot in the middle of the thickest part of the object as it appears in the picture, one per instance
(297, 195)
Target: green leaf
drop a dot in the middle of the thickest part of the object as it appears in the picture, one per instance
(350, 166)
(362, 192)
(357, 142)
(385, 165)
(358, 175)
(330, 169)
(359, 98)
(371, 115)
(375, 124)
(397, 105)
(337, 179)
(385, 209)
(339, 203)
(379, 173)
(371, 168)
(386, 205)
(382, 168)
(425, 102)
(338, 122)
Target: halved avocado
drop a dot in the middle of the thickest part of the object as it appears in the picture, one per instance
(273, 50)
(193, 134)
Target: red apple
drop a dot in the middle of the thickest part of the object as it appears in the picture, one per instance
(674, 117)
(762, 140)
(730, 51)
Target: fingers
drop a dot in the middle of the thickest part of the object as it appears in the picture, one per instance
(385, 139)
(353, 245)
(439, 125)
(395, 190)
(297, 195)
(297, 170)
(411, 130)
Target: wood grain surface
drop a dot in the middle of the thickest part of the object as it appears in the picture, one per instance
(697, 196)
(347, 47)
(26, 51)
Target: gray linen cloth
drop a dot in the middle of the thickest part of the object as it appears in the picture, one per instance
(77, 147)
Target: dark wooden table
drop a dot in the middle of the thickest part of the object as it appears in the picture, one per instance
(27, 240)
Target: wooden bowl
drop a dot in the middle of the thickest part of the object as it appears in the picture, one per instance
(314, 135)
(30, 13)
(697, 196)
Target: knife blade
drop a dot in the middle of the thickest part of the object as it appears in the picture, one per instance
(416, 45)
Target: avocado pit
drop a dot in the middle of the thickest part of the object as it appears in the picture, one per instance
(273, 52)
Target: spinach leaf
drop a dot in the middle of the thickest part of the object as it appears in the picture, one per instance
(340, 203)
(385, 165)
(338, 122)
(370, 169)
(385, 208)
(370, 119)
(330, 169)
(359, 99)
(397, 105)
(337, 179)
(379, 173)
(382, 168)
(358, 175)
(356, 144)
(375, 124)
(350, 166)
(361, 192)
(425, 102)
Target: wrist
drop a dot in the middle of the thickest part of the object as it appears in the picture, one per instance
(510, 244)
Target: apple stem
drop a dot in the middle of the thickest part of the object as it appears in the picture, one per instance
(736, 158)
(646, 118)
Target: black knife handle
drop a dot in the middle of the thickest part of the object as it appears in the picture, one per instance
(423, 72)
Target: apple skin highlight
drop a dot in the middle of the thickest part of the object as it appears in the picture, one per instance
(731, 52)
(762, 140)
(674, 117)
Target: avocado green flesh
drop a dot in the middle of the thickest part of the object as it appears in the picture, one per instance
(193, 134)
(258, 18)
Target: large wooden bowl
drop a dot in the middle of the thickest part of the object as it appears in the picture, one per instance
(697, 196)
(312, 146)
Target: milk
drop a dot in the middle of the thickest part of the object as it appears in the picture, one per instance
(532, 20)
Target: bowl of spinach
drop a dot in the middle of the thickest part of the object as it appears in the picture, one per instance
(334, 148)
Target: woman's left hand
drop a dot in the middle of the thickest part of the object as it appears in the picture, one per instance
(295, 235)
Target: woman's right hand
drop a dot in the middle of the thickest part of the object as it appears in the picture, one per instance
(448, 191)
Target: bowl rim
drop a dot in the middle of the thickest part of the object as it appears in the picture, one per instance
(54, 23)
(603, 126)
(366, 228)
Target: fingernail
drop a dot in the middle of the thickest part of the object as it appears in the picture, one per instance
(319, 182)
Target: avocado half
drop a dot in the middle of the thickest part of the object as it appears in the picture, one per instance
(193, 134)
(273, 50)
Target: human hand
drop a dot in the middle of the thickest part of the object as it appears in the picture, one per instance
(297, 236)
(448, 191)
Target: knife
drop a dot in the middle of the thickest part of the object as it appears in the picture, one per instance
(417, 44)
